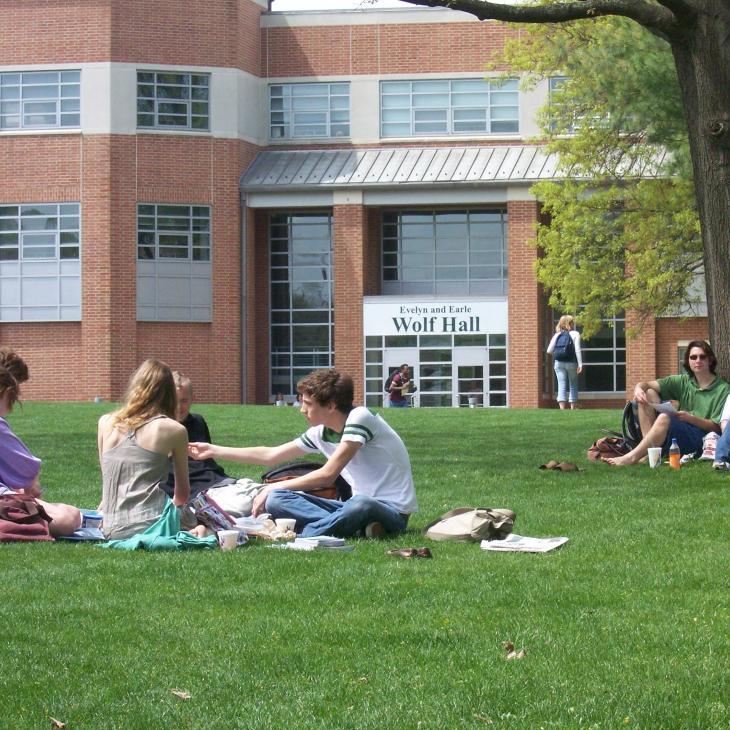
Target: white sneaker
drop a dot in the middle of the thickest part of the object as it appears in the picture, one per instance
(721, 465)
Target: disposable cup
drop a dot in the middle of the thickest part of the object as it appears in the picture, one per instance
(285, 523)
(655, 456)
(228, 539)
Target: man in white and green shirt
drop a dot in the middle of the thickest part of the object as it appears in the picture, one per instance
(358, 444)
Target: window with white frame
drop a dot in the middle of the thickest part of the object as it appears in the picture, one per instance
(301, 297)
(173, 100)
(309, 110)
(40, 268)
(174, 262)
(445, 252)
(448, 106)
(40, 99)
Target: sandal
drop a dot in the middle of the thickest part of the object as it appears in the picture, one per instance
(559, 466)
(423, 552)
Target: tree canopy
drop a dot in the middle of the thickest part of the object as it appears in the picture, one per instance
(614, 108)
(696, 33)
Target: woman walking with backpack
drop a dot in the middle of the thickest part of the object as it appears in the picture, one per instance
(567, 360)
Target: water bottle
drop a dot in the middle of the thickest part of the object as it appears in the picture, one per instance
(674, 455)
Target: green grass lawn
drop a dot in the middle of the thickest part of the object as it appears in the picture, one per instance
(628, 625)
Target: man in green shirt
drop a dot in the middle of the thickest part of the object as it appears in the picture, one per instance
(700, 394)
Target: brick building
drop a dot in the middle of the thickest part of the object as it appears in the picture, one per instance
(249, 195)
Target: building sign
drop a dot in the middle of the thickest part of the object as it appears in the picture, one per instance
(402, 316)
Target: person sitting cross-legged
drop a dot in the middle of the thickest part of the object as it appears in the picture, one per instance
(701, 395)
(358, 444)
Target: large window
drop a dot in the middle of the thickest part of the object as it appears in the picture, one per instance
(309, 110)
(40, 268)
(604, 359)
(169, 100)
(457, 106)
(173, 232)
(445, 252)
(40, 99)
(173, 263)
(301, 297)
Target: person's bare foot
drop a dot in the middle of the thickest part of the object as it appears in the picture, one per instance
(626, 460)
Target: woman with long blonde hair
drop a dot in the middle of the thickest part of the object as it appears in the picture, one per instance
(135, 443)
(567, 360)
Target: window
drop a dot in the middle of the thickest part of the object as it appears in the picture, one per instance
(604, 359)
(458, 106)
(173, 232)
(33, 232)
(309, 110)
(168, 100)
(173, 263)
(40, 99)
(40, 267)
(445, 252)
(301, 297)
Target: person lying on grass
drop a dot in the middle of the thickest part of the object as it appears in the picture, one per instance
(134, 445)
(19, 469)
(358, 444)
(701, 395)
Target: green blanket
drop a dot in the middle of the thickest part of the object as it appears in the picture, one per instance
(165, 534)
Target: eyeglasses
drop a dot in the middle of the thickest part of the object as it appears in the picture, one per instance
(698, 357)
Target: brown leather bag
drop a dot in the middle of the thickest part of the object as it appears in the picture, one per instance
(22, 519)
(340, 489)
(608, 447)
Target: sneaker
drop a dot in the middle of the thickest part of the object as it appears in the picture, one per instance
(374, 531)
(721, 465)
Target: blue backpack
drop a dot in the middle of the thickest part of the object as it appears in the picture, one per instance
(564, 350)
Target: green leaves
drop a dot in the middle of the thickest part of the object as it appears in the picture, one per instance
(613, 240)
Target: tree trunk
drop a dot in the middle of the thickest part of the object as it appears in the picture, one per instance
(703, 70)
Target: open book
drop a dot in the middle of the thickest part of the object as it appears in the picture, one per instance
(519, 544)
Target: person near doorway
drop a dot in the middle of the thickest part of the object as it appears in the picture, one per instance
(400, 388)
(357, 443)
(701, 395)
(567, 360)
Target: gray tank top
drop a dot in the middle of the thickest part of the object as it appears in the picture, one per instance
(132, 496)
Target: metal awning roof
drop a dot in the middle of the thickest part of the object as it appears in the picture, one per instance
(393, 167)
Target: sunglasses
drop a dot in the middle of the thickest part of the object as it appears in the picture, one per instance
(698, 357)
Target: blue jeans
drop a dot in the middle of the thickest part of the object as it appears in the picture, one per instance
(319, 516)
(722, 450)
(398, 403)
(567, 375)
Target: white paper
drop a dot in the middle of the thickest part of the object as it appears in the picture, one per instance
(664, 407)
(520, 544)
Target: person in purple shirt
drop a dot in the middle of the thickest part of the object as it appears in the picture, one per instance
(19, 469)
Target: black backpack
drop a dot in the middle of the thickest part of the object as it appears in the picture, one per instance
(389, 380)
(564, 350)
(339, 489)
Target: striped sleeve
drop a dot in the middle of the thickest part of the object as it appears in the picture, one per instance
(359, 430)
(306, 443)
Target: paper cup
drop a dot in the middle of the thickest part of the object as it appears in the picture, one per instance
(655, 456)
(228, 539)
(284, 523)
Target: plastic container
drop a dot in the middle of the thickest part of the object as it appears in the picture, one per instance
(674, 455)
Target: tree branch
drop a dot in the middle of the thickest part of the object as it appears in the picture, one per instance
(683, 11)
(657, 17)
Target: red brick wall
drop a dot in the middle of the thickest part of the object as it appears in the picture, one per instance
(524, 306)
(349, 246)
(222, 33)
(395, 48)
(257, 305)
(52, 351)
(669, 332)
(55, 31)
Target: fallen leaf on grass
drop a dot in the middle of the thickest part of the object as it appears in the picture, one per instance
(484, 718)
(56, 723)
(181, 694)
(509, 647)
